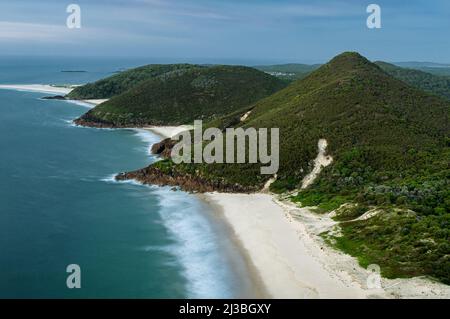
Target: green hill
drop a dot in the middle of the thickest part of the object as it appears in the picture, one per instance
(120, 83)
(182, 96)
(390, 148)
(439, 85)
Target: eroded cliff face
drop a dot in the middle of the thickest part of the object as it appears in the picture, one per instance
(191, 183)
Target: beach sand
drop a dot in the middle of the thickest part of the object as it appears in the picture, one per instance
(50, 89)
(279, 250)
(293, 261)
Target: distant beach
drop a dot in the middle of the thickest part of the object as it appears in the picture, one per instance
(50, 89)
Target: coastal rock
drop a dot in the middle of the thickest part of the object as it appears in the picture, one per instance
(83, 122)
(163, 148)
(191, 183)
(56, 97)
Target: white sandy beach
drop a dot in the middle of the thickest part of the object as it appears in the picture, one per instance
(284, 246)
(279, 250)
(50, 89)
(168, 131)
(42, 88)
(292, 260)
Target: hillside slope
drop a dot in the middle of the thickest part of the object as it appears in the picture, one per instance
(120, 83)
(419, 78)
(182, 96)
(390, 148)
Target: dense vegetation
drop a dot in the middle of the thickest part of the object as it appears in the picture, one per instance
(120, 83)
(439, 85)
(390, 148)
(182, 96)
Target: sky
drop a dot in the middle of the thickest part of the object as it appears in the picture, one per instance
(275, 31)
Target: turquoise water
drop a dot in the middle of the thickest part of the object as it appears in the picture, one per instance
(60, 206)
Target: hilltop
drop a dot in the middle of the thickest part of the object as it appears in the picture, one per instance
(431, 79)
(184, 95)
(122, 82)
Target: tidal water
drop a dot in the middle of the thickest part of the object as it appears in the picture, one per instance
(59, 204)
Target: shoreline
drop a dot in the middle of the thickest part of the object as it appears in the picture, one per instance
(50, 89)
(253, 286)
(283, 239)
(277, 251)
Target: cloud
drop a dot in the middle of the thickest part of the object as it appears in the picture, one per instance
(60, 34)
(185, 9)
(323, 10)
(30, 31)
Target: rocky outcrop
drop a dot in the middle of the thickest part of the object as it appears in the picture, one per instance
(191, 183)
(56, 97)
(163, 148)
(98, 124)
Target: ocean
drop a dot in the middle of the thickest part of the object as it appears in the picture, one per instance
(59, 204)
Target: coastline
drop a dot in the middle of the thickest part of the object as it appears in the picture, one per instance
(288, 259)
(280, 243)
(50, 89)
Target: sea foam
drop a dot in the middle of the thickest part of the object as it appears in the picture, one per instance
(197, 245)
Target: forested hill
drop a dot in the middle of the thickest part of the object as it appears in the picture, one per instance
(433, 83)
(184, 95)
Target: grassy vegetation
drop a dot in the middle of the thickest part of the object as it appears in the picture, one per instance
(403, 243)
(390, 147)
(182, 96)
(122, 82)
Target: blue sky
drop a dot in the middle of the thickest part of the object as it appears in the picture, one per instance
(255, 30)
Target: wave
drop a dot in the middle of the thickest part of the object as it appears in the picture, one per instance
(147, 137)
(197, 247)
(111, 179)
